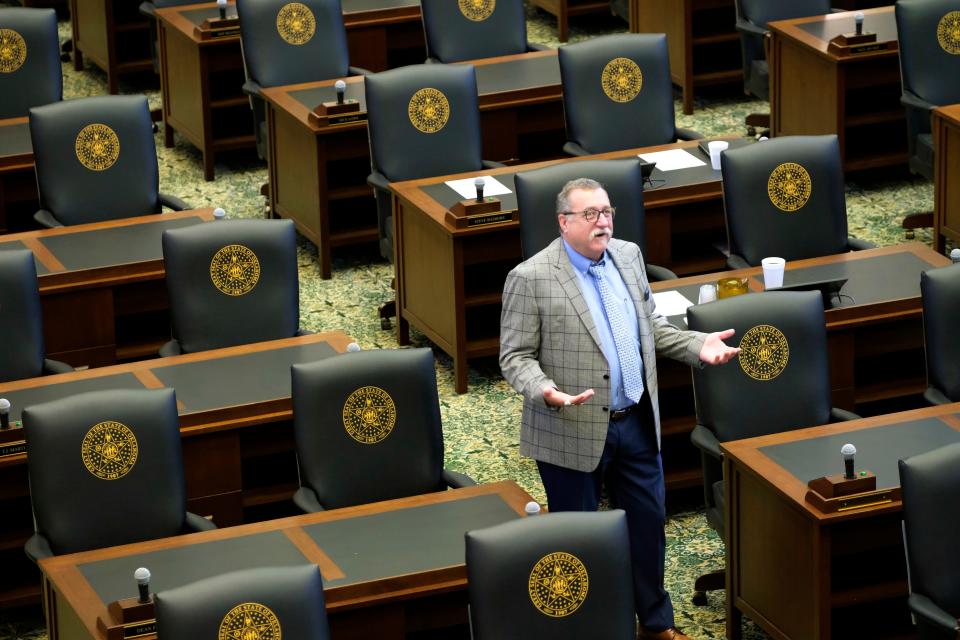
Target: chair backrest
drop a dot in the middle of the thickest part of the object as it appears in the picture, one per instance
(268, 602)
(232, 282)
(617, 92)
(473, 29)
(537, 199)
(929, 35)
(291, 42)
(931, 490)
(781, 379)
(30, 73)
(785, 197)
(21, 318)
(558, 575)
(423, 121)
(105, 468)
(95, 158)
(940, 289)
(367, 426)
(761, 12)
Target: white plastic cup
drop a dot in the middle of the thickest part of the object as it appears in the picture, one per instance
(708, 293)
(715, 148)
(773, 272)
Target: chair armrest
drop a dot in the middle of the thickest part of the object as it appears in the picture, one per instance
(687, 134)
(378, 181)
(37, 548)
(536, 46)
(705, 440)
(193, 523)
(574, 149)
(147, 9)
(748, 28)
(252, 88)
(306, 499)
(856, 244)
(656, 273)
(171, 348)
(492, 164)
(359, 71)
(457, 480)
(924, 608)
(736, 262)
(913, 101)
(935, 396)
(173, 202)
(52, 367)
(46, 218)
(842, 415)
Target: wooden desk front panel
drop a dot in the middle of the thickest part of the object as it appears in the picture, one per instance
(946, 140)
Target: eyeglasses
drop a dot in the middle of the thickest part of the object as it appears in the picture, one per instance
(591, 213)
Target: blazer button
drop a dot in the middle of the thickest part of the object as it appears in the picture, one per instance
(605, 409)
(606, 376)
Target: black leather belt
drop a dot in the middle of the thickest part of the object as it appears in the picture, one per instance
(622, 413)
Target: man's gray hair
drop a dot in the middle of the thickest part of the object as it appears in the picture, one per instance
(563, 198)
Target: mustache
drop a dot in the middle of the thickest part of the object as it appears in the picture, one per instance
(600, 232)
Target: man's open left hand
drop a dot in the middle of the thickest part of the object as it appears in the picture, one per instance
(714, 351)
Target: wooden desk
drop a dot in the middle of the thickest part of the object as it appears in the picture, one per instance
(388, 567)
(202, 79)
(702, 39)
(946, 175)
(816, 91)
(318, 173)
(235, 423)
(113, 35)
(801, 574)
(102, 286)
(18, 184)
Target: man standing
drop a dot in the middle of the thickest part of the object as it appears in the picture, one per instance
(579, 334)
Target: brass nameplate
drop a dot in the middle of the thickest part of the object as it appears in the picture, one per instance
(468, 214)
(13, 449)
(128, 618)
(139, 629)
(337, 119)
(12, 442)
(853, 49)
(217, 28)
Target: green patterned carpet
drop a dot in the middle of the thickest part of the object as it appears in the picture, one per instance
(481, 428)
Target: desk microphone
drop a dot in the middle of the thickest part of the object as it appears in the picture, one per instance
(4, 413)
(955, 256)
(222, 6)
(848, 451)
(142, 575)
(353, 347)
(340, 86)
(858, 19)
(478, 183)
(532, 508)
(219, 214)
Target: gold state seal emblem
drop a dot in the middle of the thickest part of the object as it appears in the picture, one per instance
(13, 51)
(558, 584)
(948, 33)
(97, 147)
(764, 352)
(789, 187)
(428, 110)
(109, 450)
(296, 24)
(369, 415)
(477, 10)
(621, 79)
(235, 270)
(249, 621)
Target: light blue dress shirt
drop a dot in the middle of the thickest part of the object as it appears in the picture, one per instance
(588, 287)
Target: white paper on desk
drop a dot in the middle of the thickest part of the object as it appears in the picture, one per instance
(671, 303)
(673, 159)
(491, 187)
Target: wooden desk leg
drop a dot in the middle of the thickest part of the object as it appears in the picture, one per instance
(460, 369)
(403, 330)
(167, 134)
(730, 536)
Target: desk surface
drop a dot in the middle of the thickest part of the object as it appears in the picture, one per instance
(16, 149)
(369, 554)
(815, 32)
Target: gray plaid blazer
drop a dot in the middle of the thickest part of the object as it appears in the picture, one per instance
(547, 337)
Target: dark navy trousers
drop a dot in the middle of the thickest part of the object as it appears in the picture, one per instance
(631, 469)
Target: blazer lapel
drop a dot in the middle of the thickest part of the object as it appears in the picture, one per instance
(570, 283)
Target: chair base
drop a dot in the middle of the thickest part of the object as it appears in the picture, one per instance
(916, 221)
(758, 124)
(713, 581)
(386, 311)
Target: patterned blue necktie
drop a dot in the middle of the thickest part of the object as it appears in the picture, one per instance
(630, 370)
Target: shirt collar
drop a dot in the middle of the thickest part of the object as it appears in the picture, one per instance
(580, 262)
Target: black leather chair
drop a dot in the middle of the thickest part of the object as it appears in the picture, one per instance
(537, 196)
(785, 198)
(96, 160)
(931, 490)
(286, 601)
(106, 469)
(558, 575)
(367, 427)
(30, 73)
(940, 289)
(231, 282)
(779, 382)
(929, 66)
(423, 121)
(21, 320)
(617, 94)
(315, 51)
(474, 29)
